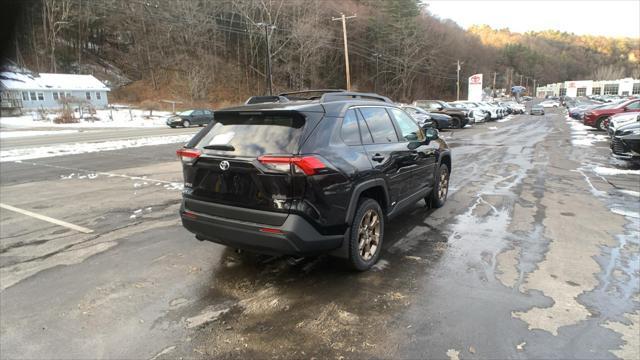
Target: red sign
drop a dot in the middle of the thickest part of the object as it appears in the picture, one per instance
(475, 80)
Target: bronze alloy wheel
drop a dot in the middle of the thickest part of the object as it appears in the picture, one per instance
(443, 186)
(369, 235)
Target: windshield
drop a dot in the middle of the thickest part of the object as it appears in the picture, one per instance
(185, 113)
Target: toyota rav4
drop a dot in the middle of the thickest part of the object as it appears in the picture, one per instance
(302, 174)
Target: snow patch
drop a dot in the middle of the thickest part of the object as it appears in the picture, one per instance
(600, 170)
(624, 212)
(582, 135)
(83, 148)
(115, 117)
(493, 128)
(508, 118)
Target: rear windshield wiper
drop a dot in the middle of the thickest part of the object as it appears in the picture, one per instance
(222, 147)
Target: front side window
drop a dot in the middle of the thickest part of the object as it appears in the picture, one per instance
(409, 130)
(40, 96)
(88, 95)
(380, 124)
(634, 106)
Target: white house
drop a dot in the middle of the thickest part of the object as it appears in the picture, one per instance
(27, 91)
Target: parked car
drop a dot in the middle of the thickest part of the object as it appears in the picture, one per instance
(426, 119)
(514, 107)
(537, 110)
(626, 141)
(618, 120)
(200, 117)
(596, 117)
(550, 104)
(475, 114)
(489, 112)
(306, 177)
(578, 111)
(459, 117)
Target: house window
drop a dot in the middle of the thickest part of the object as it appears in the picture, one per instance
(40, 96)
(582, 92)
(32, 94)
(25, 96)
(56, 95)
(88, 95)
(98, 96)
(636, 89)
(596, 90)
(563, 92)
(611, 89)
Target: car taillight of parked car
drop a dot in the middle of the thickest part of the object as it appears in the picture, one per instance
(188, 156)
(309, 165)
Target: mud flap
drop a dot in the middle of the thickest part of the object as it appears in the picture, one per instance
(343, 251)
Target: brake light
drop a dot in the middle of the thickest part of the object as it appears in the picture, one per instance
(310, 165)
(188, 155)
(271, 231)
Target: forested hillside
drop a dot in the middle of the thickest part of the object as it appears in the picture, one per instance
(214, 51)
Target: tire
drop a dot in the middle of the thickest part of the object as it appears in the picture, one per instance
(455, 123)
(362, 237)
(186, 123)
(172, 126)
(600, 124)
(438, 197)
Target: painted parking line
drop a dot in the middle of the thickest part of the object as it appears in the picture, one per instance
(46, 218)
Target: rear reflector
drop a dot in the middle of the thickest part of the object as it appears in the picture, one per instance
(271, 231)
(188, 155)
(189, 214)
(310, 165)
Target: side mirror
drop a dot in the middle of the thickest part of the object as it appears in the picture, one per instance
(431, 134)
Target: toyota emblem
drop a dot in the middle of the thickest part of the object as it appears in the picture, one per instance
(224, 165)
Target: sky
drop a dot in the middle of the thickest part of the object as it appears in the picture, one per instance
(608, 18)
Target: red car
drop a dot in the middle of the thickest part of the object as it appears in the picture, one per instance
(596, 117)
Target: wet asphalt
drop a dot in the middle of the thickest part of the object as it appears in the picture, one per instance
(535, 255)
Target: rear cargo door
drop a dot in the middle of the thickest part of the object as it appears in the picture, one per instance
(228, 174)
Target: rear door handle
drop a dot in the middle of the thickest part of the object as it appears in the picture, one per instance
(377, 157)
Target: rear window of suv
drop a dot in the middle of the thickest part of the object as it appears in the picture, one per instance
(252, 135)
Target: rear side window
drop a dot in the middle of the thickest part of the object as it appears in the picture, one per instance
(253, 135)
(350, 132)
(379, 124)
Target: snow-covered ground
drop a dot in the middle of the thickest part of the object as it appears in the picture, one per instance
(26, 133)
(89, 147)
(117, 116)
(582, 135)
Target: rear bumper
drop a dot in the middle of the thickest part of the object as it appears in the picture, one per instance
(296, 236)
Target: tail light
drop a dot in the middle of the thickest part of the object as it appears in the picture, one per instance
(309, 165)
(188, 156)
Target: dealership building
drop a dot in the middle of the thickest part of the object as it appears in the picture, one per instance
(621, 87)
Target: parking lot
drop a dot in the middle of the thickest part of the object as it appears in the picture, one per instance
(535, 255)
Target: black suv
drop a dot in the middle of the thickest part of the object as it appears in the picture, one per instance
(301, 175)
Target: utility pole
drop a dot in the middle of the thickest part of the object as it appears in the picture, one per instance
(269, 78)
(493, 88)
(458, 81)
(521, 76)
(535, 91)
(375, 86)
(346, 48)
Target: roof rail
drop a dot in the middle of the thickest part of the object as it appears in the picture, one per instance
(266, 99)
(299, 95)
(345, 95)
